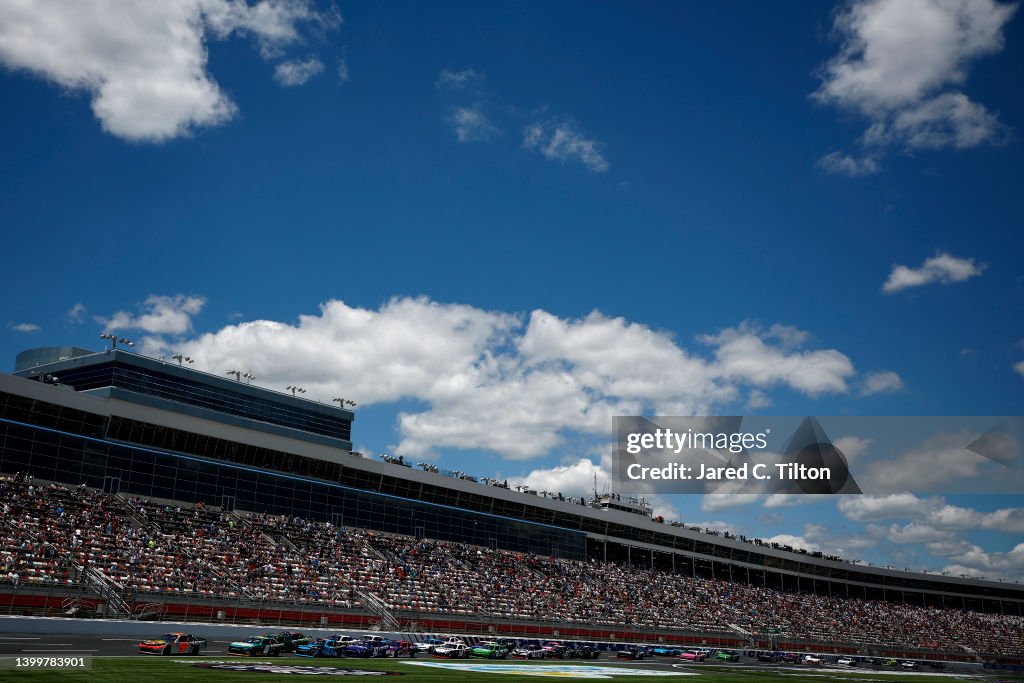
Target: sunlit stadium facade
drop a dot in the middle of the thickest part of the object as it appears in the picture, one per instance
(124, 423)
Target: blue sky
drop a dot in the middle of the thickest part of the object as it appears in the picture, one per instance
(495, 226)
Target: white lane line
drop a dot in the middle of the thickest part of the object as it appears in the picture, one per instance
(18, 638)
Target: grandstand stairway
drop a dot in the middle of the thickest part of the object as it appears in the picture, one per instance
(388, 622)
(115, 594)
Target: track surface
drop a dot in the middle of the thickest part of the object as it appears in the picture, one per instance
(126, 646)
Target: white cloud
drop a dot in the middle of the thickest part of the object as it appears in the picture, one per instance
(842, 163)
(561, 141)
(342, 69)
(865, 508)
(757, 399)
(75, 314)
(472, 125)
(794, 542)
(24, 327)
(143, 64)
(296, 72)
(497, 381)
(1019, 367)
(575, 479)
(941, 268)
(885, 382)
(898, 65)
(743, 354)
(162, 315)
(939, 459)
(713, 502)
(458, 80)
(948, 120)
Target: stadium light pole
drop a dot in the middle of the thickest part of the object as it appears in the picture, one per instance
(114, 339)
(342, 402)
(294, 389)
(236, 373)
(182, 359)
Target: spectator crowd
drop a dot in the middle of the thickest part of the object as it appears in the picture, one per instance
(53, 534)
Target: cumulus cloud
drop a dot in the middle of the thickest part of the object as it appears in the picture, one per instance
(24, 327)
(747, 354)
(519, 386)
(144, 64)
(562, 141)
(885, 382)
(471, 124)
(899, 65)
(458, 80)
(292, 73)
(161, 315)
(941, 269)
(1019, 367)
(76, 314)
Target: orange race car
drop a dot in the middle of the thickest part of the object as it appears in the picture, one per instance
(173, 644)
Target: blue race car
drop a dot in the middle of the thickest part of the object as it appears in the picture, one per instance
(321, 647)
(369, 647)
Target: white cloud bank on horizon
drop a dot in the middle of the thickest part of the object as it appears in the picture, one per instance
(513, 384)
(900, 65)
(144, 64)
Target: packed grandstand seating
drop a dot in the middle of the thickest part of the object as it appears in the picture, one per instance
(52, 534)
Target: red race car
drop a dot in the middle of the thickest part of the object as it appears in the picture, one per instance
(173, 644)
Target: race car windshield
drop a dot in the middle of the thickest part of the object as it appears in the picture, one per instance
(169, 637)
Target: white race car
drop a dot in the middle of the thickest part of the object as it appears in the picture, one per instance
(812, 660)
(453, 651)
(846, 661)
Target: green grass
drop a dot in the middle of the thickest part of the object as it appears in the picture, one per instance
(181, 670)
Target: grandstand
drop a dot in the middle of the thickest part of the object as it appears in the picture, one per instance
(138, 486)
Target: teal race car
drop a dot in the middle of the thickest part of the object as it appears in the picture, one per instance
(257, 646)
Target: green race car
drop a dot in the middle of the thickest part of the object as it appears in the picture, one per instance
(490, 650)
(727, 656)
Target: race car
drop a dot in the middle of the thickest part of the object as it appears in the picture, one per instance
(727, 656)
(401, 648)
(846, 661)
(452, 651)
(554, 650)
(693, 655)
(428, 645)
(489, 650)
(172, 644)
(321, 647)
(790, 658)
(812, 660)
(257, 646)
(528, 652)
(630, 653)
(583, 652)
(908, 665)
(666, 651)
(290, 639)
(369, 646)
